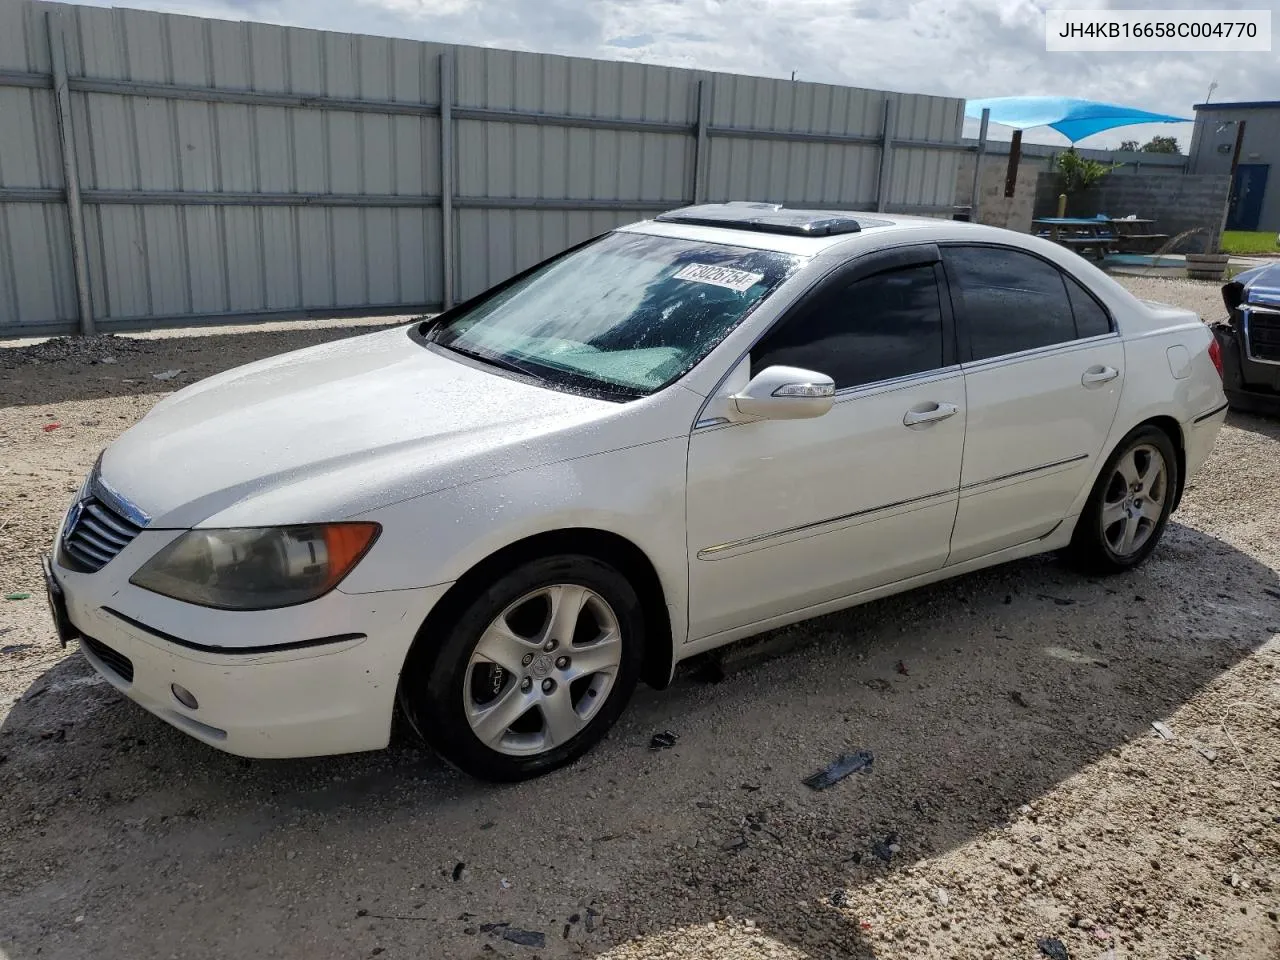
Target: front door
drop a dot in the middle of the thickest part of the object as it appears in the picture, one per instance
(1247, 191)
(785, 515)
(1043, 369)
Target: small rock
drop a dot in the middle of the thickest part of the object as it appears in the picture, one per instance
(940, 896)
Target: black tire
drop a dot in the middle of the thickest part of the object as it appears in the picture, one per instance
(436, 684)
(1090, 551)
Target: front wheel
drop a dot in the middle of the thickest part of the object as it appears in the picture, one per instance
(1129, 506)
(533, 673)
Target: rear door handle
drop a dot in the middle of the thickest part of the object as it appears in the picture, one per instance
(1096, 375)
(931, 414)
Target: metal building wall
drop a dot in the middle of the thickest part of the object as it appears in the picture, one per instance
(232, 171)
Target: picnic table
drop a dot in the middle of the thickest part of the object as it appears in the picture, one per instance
(1100, 234)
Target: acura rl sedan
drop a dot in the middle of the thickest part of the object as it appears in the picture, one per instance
(678, 434)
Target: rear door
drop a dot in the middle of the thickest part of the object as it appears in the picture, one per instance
(1043, 368)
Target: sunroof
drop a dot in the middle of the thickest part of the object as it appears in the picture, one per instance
(767, 218)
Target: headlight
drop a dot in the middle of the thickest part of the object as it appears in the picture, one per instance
(256, 568)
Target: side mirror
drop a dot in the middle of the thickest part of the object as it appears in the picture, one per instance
(785, 393)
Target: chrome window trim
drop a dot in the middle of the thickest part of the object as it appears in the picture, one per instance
(888, 386)
(1245, 310)
(815, 528)
(1066, 346)
(977, 484)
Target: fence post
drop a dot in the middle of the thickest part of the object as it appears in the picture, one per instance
(975, 198)
(446, 175)
(700, 144)
(70, 172)
(886, 154)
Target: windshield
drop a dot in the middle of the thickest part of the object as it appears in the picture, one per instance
(626, 314)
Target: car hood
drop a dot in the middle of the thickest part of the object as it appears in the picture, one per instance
(334, 430)
(1261, 284)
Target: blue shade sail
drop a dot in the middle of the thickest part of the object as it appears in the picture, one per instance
(1073, 118)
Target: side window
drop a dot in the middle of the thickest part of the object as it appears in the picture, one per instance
(878, 328)
(1091, 319)
(1012, 300)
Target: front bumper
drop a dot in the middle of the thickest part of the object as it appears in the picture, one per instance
(323, 683)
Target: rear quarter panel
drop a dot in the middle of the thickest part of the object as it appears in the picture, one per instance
(1168, 373)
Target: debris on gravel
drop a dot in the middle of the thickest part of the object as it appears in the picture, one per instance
(99, 348)
(839, 768)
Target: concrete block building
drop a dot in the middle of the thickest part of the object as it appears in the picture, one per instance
(1255, 194)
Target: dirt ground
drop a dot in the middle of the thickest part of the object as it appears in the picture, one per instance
(1019, 795)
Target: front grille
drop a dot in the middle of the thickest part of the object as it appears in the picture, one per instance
(117, 663)
(1264, 333)
(97, 535)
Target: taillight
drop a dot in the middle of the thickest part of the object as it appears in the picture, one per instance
(1215, 354)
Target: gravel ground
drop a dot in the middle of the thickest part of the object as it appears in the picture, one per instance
(1018, 792)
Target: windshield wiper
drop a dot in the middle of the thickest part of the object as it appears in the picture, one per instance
(496, 361)
(576, 382)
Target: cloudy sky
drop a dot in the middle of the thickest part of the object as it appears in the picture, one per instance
(959, 48)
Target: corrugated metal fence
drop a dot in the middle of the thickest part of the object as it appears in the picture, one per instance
(159, 169)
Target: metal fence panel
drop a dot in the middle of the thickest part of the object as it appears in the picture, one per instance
(234, 170)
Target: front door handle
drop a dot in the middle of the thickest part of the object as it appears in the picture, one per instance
(1096, 375)
(930, 414)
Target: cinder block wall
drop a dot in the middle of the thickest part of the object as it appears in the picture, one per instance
(1174, 203)
(994, 208)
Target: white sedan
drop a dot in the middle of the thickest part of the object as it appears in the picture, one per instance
(684, 432)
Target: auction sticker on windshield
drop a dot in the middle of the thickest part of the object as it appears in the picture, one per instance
(739, 280)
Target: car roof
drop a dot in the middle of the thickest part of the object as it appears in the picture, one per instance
(809, 232)
(876, 231)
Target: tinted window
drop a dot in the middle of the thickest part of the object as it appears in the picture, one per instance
(1091, 319)
(1012, 301)
(882, 327)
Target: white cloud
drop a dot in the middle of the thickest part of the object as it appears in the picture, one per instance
(959, 48)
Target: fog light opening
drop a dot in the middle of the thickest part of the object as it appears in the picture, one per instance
(184, 696)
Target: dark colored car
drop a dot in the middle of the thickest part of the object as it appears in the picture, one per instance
(1250, 340)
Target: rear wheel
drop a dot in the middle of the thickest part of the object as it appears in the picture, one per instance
(533, 673)
(1129, 506)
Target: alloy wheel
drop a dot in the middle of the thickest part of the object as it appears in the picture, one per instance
(1134, 500)
(542, 669)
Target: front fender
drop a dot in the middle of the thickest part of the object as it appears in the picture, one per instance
(637, 493)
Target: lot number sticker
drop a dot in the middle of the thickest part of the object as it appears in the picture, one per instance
(738, 280)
